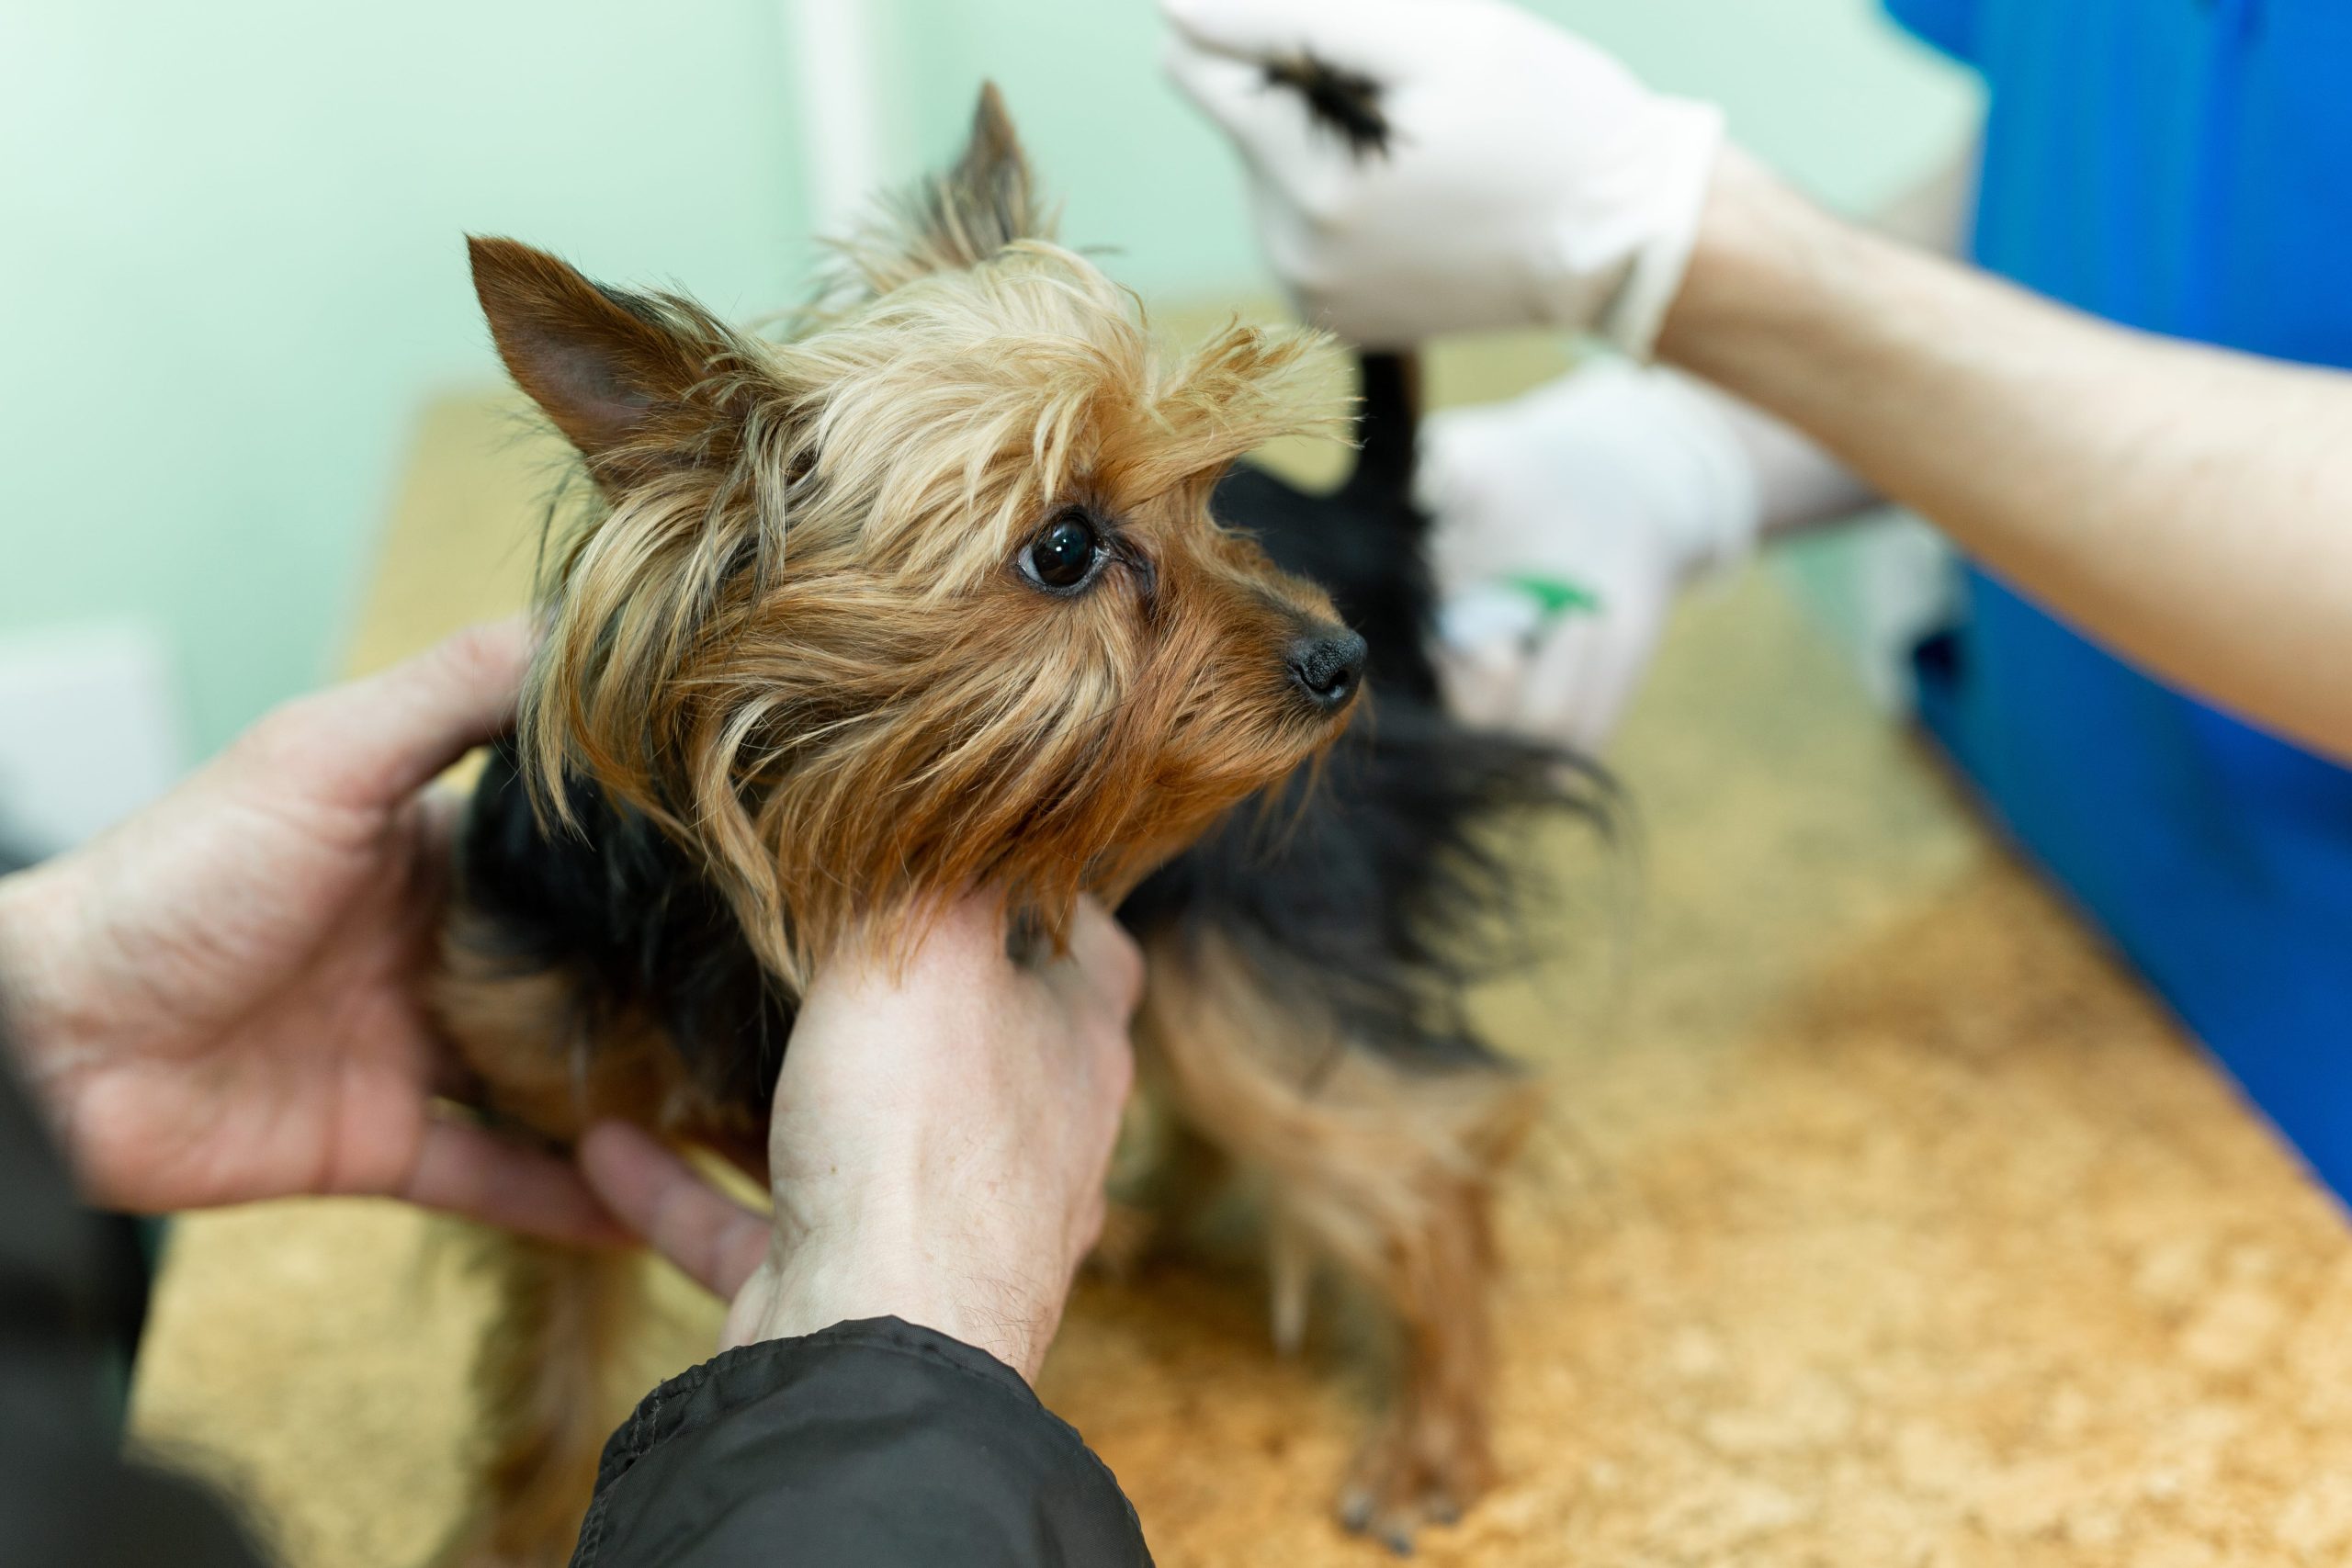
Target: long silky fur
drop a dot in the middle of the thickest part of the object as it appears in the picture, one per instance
(1376, 881)
(784, 631)
(791, 688)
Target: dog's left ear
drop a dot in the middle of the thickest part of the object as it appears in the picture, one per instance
(961, 217)
(634, 381)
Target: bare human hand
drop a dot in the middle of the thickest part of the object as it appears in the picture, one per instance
(221, 1000)
(937, 1152)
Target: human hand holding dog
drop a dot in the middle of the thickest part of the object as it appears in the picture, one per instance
(221, 999)
(1528, 178)
(938, 1149)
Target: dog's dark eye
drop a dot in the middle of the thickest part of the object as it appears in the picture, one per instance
(1065, 552)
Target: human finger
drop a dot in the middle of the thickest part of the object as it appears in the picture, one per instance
(1107, 957)
(713, 1239)
(373, 742)
(1556, 696)
(440, 817)
(1235, 94)
(470, 1170)
(1610, 676)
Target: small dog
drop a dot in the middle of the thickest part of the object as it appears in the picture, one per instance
(952, 586)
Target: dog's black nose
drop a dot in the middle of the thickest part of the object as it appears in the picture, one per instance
(1328, 667)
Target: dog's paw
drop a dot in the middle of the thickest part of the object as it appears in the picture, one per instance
(1409, 1476)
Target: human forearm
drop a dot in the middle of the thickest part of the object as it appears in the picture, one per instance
(1798, 484)
(2185, 506)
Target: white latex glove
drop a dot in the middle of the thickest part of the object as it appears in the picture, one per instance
(1529, 180)
(1617, 485)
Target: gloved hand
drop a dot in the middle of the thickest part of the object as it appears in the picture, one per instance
(1567, 521)
(1529, 179)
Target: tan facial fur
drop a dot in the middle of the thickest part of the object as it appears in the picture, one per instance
(795, 628)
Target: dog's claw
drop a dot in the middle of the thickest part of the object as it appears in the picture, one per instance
(1361, 1511)
(1400, 1487)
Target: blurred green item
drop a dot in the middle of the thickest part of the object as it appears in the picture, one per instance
(1555, 596)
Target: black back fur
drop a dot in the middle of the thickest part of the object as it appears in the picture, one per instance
(1371, 883)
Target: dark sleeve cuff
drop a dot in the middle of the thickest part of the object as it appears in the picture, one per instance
(876, 1442)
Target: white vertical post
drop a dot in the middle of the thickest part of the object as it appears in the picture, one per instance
(836, 77)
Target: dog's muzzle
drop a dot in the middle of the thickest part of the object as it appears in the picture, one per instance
(1327, 667)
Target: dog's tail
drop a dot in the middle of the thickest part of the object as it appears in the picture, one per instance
(1347, 104)
(1388, 420)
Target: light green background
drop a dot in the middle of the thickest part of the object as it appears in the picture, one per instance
(230, 258)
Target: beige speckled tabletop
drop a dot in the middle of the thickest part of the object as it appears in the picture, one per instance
(1877, 1219)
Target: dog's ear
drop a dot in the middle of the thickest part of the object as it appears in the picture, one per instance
(988, 200)
(961, 217)
(686, 426)
(631, 380)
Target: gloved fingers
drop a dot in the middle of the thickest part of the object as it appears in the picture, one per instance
(1570, 688)
(1554, 685)
(1446, 457)
(1480, 682)
(1280, 140)
(1373, 36)
(1484, 525)
(1231, 92)
(1609, 673)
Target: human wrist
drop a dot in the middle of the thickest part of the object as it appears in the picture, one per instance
(1761, 258)
(1816, 330)
(1681, 147)
(809, 1295)
(883, 1257)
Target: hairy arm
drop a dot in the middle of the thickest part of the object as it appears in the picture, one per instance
(2190, 507)
(1799, 485)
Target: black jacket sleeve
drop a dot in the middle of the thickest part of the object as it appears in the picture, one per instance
(872, 1444)
(876, 1443)
(66, 1493)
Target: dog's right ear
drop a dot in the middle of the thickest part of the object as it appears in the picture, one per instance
(633, 382)
(988, 200)
(962, 215)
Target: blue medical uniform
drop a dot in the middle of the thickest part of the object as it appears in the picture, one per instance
(2183, 166)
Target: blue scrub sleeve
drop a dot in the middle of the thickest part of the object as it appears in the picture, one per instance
(1947, 25)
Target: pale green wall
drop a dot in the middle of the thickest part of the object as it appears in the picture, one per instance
(230, 269)
(1825, 89)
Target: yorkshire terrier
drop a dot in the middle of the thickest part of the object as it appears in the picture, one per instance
(956, 585)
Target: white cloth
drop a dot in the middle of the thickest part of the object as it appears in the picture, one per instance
(1530, 179)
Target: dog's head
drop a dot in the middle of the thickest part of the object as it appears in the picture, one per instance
(927, 595)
